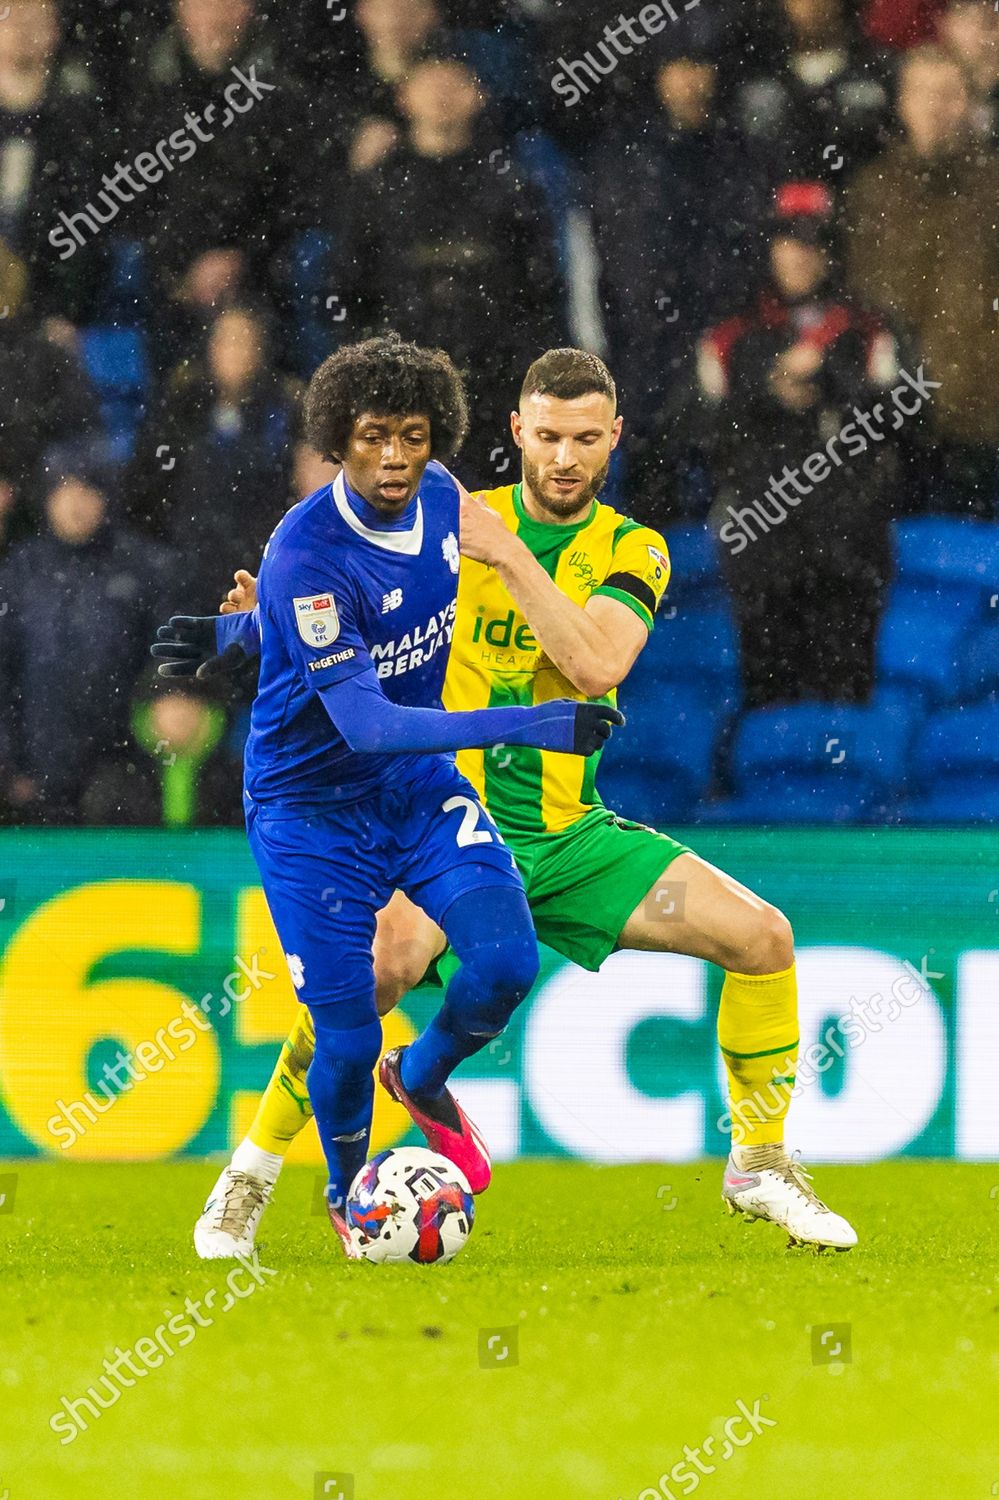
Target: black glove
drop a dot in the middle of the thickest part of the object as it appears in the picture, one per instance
(188, 647)
(594, 725)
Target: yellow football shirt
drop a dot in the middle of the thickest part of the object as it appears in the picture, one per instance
(496, 660)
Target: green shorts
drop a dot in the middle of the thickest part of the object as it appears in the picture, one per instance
(584, 884)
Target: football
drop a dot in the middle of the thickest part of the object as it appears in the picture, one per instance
(410, 1205)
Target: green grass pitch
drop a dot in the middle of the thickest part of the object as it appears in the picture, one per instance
(643, 1317)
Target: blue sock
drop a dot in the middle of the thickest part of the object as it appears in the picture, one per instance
(428, 1063)
(492, 935)
(342, 1090)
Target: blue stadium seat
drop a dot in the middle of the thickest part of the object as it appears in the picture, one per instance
(697, 646)
(952, 559)
(317, 330)
(978, 664)
(658, 767)
(955, 769)
(946, 590)
(919, 648)
(821, 762)
(797, 803)
(116, 361)
(696, 578)
(905, 698)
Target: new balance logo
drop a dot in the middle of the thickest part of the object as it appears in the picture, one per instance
(391, 601)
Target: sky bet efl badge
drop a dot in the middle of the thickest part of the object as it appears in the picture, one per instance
(318, 621)
(658, 569)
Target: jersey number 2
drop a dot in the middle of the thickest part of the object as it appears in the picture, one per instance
(469, 833)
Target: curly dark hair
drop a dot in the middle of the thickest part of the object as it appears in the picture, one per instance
(388, 378)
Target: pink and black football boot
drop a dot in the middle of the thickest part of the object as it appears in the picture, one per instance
(339, 1223)
(444, 1123)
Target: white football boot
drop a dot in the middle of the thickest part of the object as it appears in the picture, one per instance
(228, 1226)
(771, 1185)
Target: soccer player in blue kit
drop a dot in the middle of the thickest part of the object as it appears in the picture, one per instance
(351, 790)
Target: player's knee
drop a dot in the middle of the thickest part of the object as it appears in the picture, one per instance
(343, 1049)
(502, 975)
(395, 975)
(773, 943)
(516, 966)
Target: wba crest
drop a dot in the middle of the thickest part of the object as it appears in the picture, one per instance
(317, 619)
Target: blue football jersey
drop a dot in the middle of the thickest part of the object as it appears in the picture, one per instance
(341, 591)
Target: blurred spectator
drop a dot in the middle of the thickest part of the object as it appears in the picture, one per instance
(807, 561)
(49, 153)
(969, 30)
(81, 602)
(218, 221)
(826, 106)
(448, 245)
(397, 34)
(176, 773)
(902, 23)
(591, 81)
(374, 153)
(45, 396)
(678, 208)
(212, 466)
(922, 244)
(106, 41)
(309, 472)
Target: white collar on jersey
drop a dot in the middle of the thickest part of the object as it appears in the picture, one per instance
(409, 542)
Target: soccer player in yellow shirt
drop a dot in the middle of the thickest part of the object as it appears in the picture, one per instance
(557, 597)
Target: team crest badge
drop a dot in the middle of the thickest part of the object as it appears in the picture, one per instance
(449, 546)
(318, 621)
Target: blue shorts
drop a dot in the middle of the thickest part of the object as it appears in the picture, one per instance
(327, 873)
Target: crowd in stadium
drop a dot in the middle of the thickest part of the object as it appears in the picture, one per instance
(777, 220)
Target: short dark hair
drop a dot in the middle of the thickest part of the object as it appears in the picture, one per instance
(568, 374)
(388, 378)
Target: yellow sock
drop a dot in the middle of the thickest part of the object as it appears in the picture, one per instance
(284, 1107)
(758, 1036)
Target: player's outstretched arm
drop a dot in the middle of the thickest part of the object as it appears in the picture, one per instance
(371, 724)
